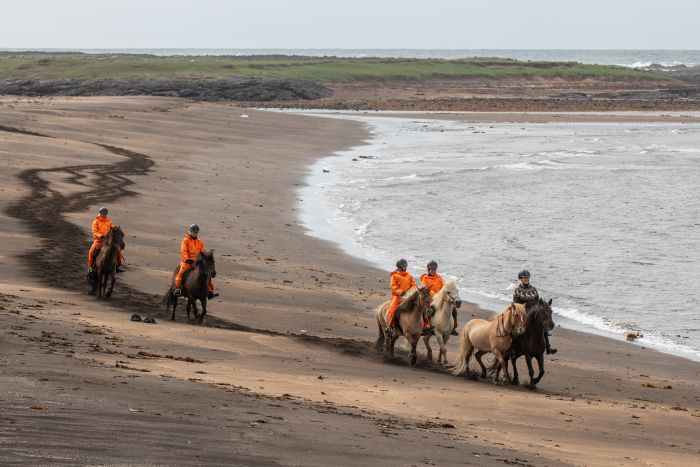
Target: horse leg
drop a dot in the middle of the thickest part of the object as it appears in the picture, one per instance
(204, 310)
(100, 280)
(174, 298)
(442, 356)
(390, 344)
(540, 363)
(189, 306)
(478, 355)
(502, 363)
(426, 339)
(531, 371)
(414, 353)
(111, 286)
(195, 311)
(516, 378)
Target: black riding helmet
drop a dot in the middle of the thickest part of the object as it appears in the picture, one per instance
(432, 265)
(523, 273)
(402, 263)
(103, 211)
(194, 228)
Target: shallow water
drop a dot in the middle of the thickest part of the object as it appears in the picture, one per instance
(606, 216)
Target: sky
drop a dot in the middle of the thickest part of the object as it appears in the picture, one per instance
(357, 24)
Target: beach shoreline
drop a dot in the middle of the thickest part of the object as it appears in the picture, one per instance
(303, 310)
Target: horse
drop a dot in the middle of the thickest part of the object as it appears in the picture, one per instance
(195, 286)
(531, 343)
(441, 319)
(408, 319)
(495, 336)
(106, 263)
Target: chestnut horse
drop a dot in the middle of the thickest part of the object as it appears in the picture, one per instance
(106, 263)
(195, 286)
(408, 320)
(495, 336)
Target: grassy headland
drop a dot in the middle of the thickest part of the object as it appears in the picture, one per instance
(43, 66)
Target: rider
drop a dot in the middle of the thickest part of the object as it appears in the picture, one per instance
(190, 247)
(433, 280)
(527, 295)
(400, 282)
(100, 228)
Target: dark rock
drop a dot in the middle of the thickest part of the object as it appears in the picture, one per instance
(254, 89)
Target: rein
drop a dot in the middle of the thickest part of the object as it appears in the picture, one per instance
(501, 320)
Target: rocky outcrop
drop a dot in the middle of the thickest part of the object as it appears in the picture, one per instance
(255, 89)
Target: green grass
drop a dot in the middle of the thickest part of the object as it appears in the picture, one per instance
(52, 66)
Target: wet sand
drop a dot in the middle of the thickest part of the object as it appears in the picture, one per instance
(283, 371)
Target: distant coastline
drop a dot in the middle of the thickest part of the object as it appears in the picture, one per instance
(620, 57)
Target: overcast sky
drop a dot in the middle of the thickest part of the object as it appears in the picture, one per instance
(441, 24)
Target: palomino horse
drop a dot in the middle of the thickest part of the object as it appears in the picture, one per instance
(531, 343)
(408, 319)
(443, 301)
(195, 286)
(493, 336)
(106, 263)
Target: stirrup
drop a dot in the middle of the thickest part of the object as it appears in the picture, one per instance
(91, 270)
(120, 268)
(177, 292)
(428, 331)
(389, 331)
(551, 350)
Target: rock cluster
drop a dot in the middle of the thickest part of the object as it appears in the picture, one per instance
(253, 89)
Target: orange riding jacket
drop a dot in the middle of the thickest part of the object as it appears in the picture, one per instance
(400, 282)
(101, 227)
(190, 247)
(434, 282)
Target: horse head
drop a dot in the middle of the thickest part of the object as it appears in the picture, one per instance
(544, 314)
(516, 318)
(424, 299)
(205, 261)
(452, 294)
(115, 237)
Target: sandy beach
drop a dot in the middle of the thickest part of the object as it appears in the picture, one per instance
(283, 372)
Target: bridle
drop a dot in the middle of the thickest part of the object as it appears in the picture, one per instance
(543, 322)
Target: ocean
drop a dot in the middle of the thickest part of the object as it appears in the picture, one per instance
(627, 58)
(606, 216)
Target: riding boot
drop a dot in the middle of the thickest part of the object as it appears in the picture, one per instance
(389, 331)
(120, 268)
(211, 295)
(428, 331)
(550, 349)
(177, 292)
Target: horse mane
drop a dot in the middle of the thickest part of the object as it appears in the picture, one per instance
(203, 255)
(440, 295)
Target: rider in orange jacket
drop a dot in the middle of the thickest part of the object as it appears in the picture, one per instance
(400, 282)
(190, 247)
(433, 280)
(100, 228)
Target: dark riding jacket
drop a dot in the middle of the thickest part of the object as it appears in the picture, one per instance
(528, 296)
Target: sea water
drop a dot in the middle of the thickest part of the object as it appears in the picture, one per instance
(606, 216)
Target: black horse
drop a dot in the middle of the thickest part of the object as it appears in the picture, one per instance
(106, 262)
(195, 286)
(531, 343)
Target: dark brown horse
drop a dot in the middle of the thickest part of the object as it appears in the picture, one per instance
(195, 286)
(531, 343)
(106, 263)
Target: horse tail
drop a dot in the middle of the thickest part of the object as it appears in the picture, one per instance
(465, 350)
(380, 337)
